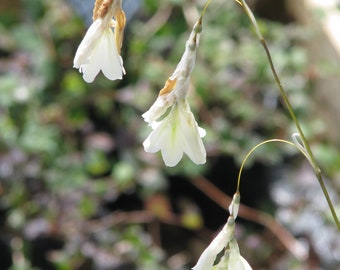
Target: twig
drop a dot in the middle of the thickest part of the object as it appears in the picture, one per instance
(157, 21)
(127, 218)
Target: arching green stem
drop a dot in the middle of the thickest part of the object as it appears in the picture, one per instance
(308, 150)
(205, 8)
(252, 151)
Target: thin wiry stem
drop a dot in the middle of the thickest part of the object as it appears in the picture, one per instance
(311, 158)
(205, 8)
(252, 151)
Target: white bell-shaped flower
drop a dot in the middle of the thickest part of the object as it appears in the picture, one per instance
(207, 258)
(232, 259)
(98, 50)
(178, 132)
(175, 134)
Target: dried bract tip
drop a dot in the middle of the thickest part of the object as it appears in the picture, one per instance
(104, 9)
(120, 25)
(168, 87)
(101, 8)
(97, 5)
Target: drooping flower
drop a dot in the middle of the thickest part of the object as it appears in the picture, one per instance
(207, 258)
(232, 259)
(178, 131)
(100, 48)
(176, 134)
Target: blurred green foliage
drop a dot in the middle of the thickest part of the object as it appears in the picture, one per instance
(71, 150)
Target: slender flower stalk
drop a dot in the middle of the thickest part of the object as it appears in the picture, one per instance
(177, 132)
(101, 46)
(304, 147)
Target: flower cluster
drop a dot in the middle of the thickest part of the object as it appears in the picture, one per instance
(232, 259)
(174, 133)
(174, 128)
(177, 131)
(100, 48)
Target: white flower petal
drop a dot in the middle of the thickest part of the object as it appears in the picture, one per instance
(206, 260)
(171, 156)
(191, 141)
(97, 52)
(236, 261)
(171, 151)
(176, 134)
(87, 44)
(112, 63)
(104, 57)
(157, 109)
(163, 138)
(91, 69)
(154, 141)
(245, 264)
(232, 262)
